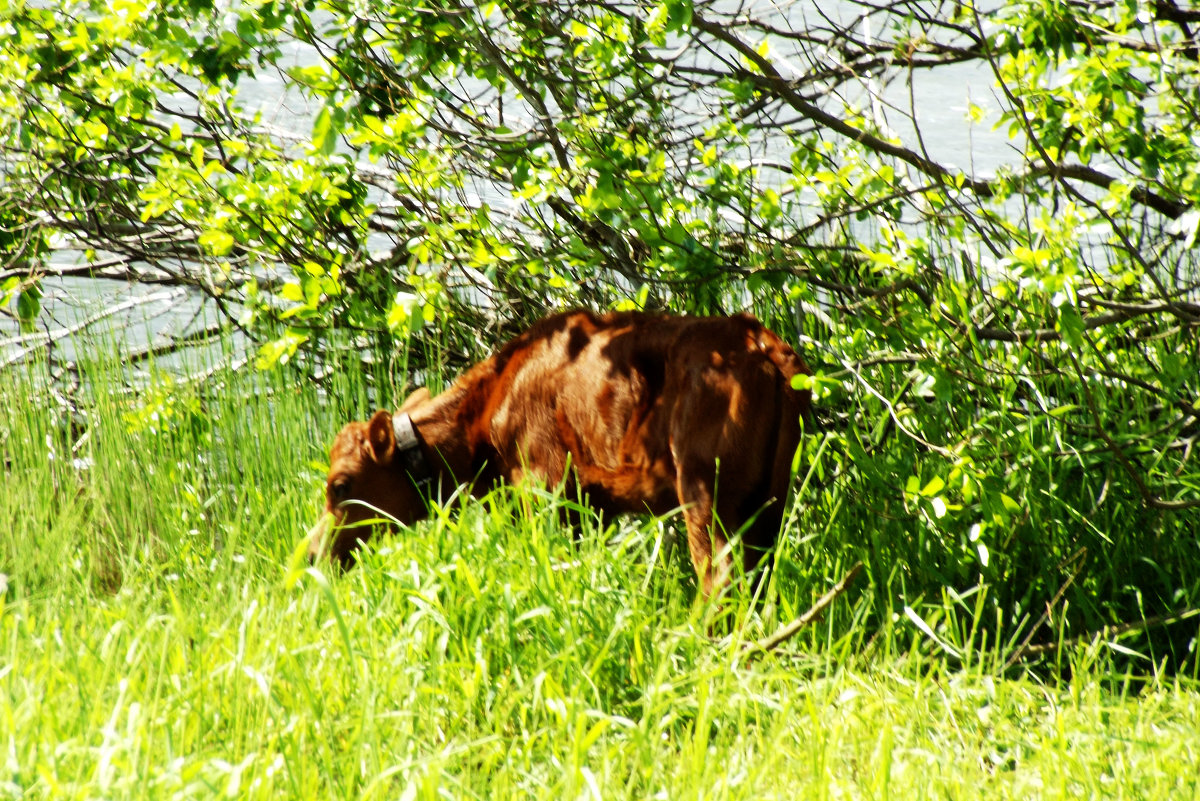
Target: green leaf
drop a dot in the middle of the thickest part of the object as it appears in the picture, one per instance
(935, 485)
(679, 15)
(216, 242)
(29, 305)
(1070, 324)
(280, 350)
(9, 289)
(292, 291)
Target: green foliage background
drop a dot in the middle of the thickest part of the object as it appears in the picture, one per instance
(1006, 364)
(162, 637)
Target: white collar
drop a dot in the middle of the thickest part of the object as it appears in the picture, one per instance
(408, 448)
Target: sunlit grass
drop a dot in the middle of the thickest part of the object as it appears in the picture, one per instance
(158, 641)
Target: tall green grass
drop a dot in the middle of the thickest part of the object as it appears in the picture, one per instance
(158, 639)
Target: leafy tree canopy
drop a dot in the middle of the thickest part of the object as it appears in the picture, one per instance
(1008, 357)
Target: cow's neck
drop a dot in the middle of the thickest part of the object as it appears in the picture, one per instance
(449, 455)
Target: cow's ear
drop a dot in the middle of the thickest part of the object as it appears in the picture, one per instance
(414, 400)
(381, 438)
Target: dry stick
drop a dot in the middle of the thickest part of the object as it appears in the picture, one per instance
(1107, 632)
(767, 644)
(1016, 655)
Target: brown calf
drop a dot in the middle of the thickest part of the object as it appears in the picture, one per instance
(652, 413)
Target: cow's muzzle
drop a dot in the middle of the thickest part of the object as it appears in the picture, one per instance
(320, 537)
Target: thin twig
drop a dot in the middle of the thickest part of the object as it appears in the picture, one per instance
(1076, 557)
(1108, 632)
(767, 644)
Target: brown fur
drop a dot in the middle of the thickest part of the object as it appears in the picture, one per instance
(654, 413)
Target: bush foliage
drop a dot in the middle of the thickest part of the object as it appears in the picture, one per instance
(1007, 365)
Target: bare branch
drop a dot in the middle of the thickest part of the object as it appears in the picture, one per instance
(768, 644)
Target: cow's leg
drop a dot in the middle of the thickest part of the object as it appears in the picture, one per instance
(760, 535)
(708, 542)
(698, 438)
(726, 441)
(779, 438)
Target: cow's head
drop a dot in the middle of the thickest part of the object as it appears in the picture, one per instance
(377, 477)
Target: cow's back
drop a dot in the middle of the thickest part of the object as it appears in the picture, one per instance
(613, 396)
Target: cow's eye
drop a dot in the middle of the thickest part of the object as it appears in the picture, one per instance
(340, 490)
